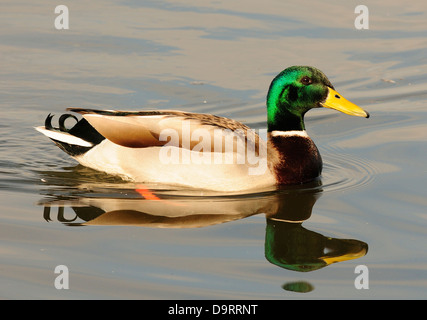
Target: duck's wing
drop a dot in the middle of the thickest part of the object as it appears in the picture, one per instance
(141, 129)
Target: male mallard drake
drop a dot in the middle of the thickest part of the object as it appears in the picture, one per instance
(206, 151)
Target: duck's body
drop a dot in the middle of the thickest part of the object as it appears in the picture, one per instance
(206, 151)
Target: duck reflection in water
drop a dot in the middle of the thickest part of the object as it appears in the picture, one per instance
(287, 243)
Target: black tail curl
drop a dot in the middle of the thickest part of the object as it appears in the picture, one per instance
(62, 118)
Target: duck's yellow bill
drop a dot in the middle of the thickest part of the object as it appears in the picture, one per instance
(336, 101)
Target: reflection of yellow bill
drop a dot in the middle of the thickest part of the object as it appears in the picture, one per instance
(333, 259)
(336, 101)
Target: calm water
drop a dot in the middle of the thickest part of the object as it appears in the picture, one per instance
(216, 57)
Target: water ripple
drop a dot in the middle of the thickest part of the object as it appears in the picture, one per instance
(343, 171)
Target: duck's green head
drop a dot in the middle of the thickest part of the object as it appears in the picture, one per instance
(298, 89)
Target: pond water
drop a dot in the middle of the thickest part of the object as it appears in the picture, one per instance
(215, 57)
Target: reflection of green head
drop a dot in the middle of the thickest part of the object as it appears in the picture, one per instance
(290, 246)
(293, 247)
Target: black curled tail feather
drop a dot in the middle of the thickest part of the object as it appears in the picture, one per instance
(62, 119)
(48, 122)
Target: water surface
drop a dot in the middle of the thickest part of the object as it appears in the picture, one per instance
(216, 57)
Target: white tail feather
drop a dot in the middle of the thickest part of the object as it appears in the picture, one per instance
(64, 137)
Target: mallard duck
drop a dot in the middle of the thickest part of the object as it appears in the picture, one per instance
(205, 151)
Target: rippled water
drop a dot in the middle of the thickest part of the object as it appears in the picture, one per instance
(215, 57)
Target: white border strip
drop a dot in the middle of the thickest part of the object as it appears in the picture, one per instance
(299, 133)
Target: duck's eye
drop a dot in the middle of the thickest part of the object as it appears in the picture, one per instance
(306, 80)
